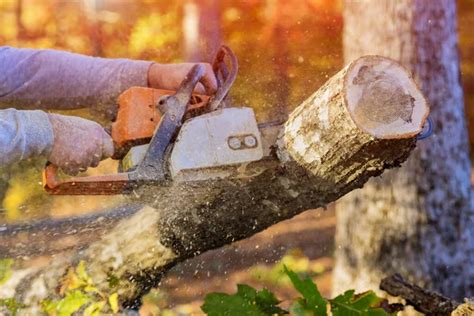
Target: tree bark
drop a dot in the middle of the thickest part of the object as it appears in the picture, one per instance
(20, 28)
(202, 30)
(320, 154)
(278, 42)
(417, 221)
(426, 302)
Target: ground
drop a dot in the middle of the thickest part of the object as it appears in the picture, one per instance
(306, 244)
(310, 235)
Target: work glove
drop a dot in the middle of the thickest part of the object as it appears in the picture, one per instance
(78, 143)
(170, 76)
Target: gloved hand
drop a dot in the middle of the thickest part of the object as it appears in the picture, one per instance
(78, 143)
(169, 77)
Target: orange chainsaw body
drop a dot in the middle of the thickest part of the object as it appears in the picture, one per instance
(138, 115)
(135, 123)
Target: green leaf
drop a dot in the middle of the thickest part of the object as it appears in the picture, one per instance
(364, 304)
(314, 301)
(246, 292)
(217, 304)
(113, 281)
(267, 302)
(247, 301)
(72, 302)
(5, 270)
(12, 305)
(298, 308)
(366, 300)
(113, 302)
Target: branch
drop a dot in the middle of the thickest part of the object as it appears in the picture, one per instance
(362, 121)
(429, 303)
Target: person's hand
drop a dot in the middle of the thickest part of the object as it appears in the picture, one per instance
(169, 77)
(78, 143)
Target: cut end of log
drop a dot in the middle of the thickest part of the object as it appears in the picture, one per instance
(383, 99)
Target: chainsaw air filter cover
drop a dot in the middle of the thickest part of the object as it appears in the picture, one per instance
(231, 137)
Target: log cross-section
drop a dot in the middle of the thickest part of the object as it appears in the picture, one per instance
(362, 121)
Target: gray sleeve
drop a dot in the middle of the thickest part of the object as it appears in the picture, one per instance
(51, 79)
(24, 134)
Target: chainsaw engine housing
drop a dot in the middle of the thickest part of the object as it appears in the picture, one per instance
(225, 137)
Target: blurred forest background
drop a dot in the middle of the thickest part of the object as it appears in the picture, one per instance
(286, 48)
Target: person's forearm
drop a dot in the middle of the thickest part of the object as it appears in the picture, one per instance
(24, 134)
(50, 79)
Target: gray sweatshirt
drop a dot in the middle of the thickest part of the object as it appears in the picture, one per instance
(48, 79)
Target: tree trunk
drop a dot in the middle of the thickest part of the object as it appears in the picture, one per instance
(20, 28)
(416, 221)
(202, 30)
(321, 153)
(94, 26)
(278, 41)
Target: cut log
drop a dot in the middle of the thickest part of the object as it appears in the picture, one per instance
(381, 99)
(417, 220)
(322, 152)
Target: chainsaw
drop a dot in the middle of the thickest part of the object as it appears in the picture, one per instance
(163, 136)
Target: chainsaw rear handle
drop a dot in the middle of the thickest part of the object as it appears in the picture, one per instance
(118, 183)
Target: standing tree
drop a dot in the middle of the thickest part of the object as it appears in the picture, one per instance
(417, 221)
(92, 10)
(20, 28)
(202, 30)
(278, 42)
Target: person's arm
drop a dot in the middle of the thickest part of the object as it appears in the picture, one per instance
(49, 79)
(52, 79)
(72, 143)
(24, 134)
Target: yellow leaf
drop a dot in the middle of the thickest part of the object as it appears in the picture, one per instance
(91, 289)
(5, 270)
(72, 302)
(94, 309)
(81, 271)
(70, 282)
(113, 302)
(21, 187)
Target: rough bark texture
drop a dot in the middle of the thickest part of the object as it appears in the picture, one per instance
(52, 236)
(319, 155)
(429, 303)
(418, 220)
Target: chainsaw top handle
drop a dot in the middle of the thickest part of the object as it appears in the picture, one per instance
(225, 76)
